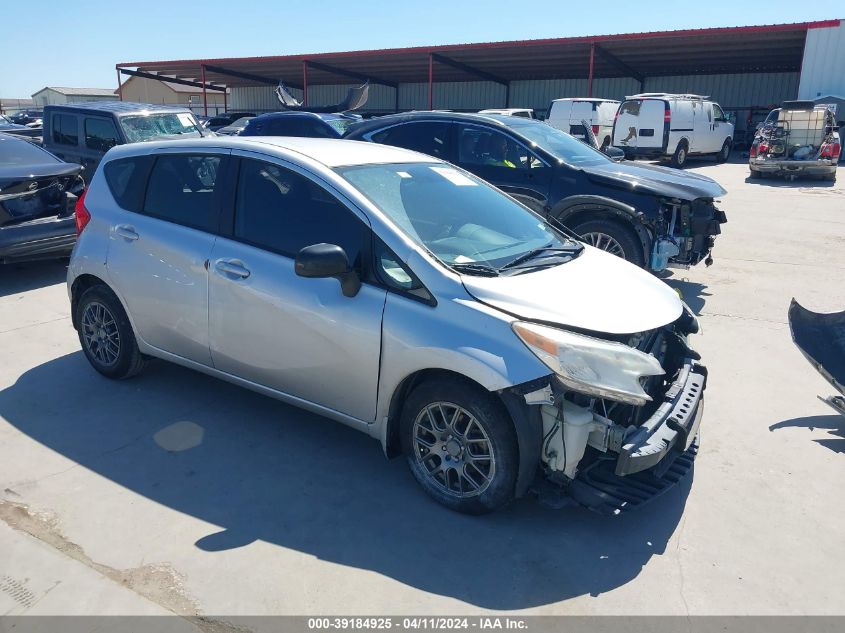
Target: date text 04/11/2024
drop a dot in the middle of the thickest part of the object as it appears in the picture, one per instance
(429, 623)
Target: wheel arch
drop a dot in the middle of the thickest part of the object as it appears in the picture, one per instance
(576, 209)
(526, 420)
(82, 283)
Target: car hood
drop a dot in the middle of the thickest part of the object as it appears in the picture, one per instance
(661, 181)
(595, 291)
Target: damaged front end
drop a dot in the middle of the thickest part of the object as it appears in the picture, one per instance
(685, 233)
(626, 439)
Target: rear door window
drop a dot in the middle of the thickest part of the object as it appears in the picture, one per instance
(282, 211)
(432, 138)
(100, 134)
(126, 179)
(65, 129)
(182, 189)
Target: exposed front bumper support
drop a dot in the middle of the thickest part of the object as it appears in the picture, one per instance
(672, 428)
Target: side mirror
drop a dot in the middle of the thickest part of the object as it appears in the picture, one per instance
(328, 260)
(614, 153)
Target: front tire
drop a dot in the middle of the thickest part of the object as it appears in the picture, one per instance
(612, 237)
(106, 335)
(679, 158)
(461, 445)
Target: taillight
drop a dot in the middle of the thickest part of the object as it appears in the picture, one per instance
(753, 151)
(596, 130)
(667, 115)
(831, 150)
(82, 215)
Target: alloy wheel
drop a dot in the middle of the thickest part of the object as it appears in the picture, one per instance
(100, 333)
(604, 242)
(453, 449)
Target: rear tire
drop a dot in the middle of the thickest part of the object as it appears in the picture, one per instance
(613, 237)
(461, 445)
(755, 175)
(106, 335)
(679, 158)
(724, 153)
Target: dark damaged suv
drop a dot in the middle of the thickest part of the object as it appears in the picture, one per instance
(652, 216)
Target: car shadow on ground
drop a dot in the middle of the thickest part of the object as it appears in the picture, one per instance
(694, 294)
(260, 469)
(798, 183)
(17, 278)
(835, 424)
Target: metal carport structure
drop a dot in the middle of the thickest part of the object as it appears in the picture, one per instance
(748, 49)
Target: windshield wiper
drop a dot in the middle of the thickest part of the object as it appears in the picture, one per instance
(473, 268)
(575, 249)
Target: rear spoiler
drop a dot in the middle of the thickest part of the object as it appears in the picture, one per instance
(355, 98)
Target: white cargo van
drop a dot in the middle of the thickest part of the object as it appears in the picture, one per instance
(672, 127)
(567, 115)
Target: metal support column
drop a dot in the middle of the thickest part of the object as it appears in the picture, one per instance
(304, 82)
(119, 85)
(204, 94)
(430, 81)
(592, 66)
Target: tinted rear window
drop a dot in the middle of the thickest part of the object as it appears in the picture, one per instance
(126, 179)
(65, 129)
(15, 151)
(181, 190)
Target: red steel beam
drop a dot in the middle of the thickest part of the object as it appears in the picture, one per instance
(430, 81)
(592, 66)
(204, 94)
(304, 82)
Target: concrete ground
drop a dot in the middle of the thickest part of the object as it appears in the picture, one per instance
(174, 492)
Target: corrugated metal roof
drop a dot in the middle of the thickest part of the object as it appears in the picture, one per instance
(80, 92)
(765, 48)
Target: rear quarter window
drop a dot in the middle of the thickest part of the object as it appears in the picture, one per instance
(65, 129)
(127, 179)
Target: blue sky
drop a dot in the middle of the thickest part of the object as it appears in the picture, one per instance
(78, 42)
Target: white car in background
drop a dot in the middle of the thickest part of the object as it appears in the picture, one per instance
(569, 115)
(672, 127)
(525, 113)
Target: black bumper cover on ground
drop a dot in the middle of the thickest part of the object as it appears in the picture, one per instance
(821, 338)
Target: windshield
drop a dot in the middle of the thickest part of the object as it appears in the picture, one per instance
(457, 217)
(146, 127)
(560, 145)
(341, 125)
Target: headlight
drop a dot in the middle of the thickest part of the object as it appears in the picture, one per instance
(589, 365)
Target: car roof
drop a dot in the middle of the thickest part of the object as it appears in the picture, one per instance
(325, 116)
(118, 107)
(329, 152)
(426, 115)
(590, 99)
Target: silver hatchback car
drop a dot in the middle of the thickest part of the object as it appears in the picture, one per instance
(401, 296)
